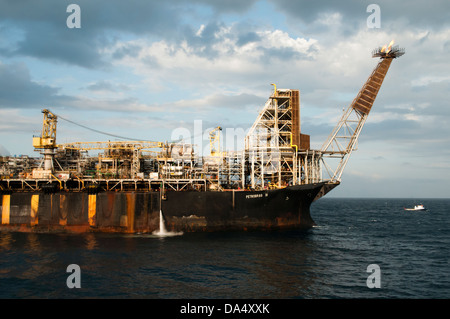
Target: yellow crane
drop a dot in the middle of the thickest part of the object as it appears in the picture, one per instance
(214, 141)
(48, 135)
(47, 140)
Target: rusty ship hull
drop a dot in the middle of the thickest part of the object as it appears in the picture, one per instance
(139, 212)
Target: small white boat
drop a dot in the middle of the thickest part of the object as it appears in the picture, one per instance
(417, 207)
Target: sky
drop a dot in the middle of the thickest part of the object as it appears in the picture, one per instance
(155, 70)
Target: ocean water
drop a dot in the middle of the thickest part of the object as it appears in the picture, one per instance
(330, 261)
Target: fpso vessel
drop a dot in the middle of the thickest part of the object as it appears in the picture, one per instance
(131, 186)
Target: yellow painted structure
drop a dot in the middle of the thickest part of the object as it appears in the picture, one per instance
(5, 209)
(92, 209)
(34, 210)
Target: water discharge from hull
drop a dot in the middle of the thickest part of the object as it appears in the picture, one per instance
(162, 232)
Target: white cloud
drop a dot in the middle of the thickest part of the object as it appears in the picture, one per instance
(229, 64)
(200, 30)
(278, 38)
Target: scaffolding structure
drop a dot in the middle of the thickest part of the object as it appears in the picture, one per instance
(277, 153)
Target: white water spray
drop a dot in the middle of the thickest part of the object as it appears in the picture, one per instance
(162, 225)
(162, 228)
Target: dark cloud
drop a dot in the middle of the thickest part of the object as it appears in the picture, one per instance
(310, 11)
(18, 90)
(220, 6)
(131, 50)
(415, 13)
(134, 16)
(47, 36)
(248, 37)
(73, 46)
(202, 40)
